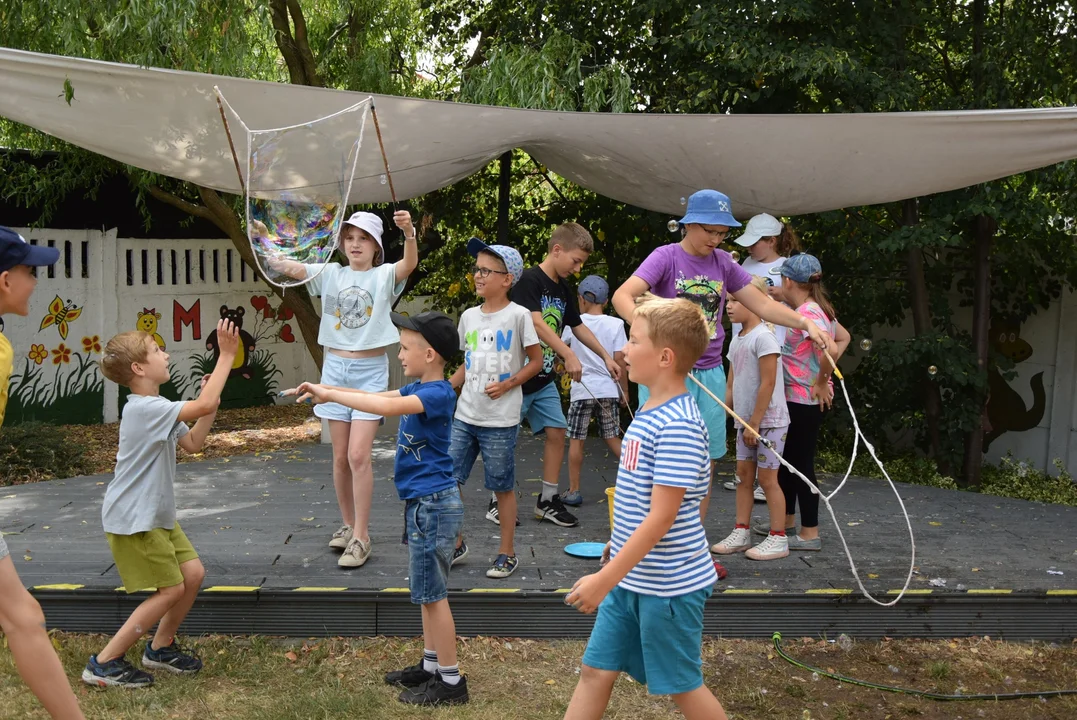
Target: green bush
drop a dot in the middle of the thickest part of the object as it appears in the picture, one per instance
(35, 451)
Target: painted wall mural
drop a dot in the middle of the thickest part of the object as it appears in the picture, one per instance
(1006, 409)
(61, 385)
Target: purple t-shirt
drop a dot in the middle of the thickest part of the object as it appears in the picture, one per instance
(673, 273)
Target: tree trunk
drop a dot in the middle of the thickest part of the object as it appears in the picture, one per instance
(503, 189)
(983, 230)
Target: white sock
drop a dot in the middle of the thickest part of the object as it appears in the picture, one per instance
(430, 660)
(450, 674)
(548, 491)
(493, 497)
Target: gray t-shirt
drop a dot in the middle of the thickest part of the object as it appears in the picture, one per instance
(140, 497)
(744, 353)
(494, 348)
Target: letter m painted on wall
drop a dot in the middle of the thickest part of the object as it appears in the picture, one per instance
(181, 317)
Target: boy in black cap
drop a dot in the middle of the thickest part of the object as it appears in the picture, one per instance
(21, 618)
(433, 513)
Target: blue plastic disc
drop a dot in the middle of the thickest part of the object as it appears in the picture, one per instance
(585, 549)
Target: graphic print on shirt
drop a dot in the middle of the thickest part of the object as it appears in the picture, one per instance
(352, 307)
(488, 357)
(415, 448)
(705, 293)
(630, 454)
(553, 313)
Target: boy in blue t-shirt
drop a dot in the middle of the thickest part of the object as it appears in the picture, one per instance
(424, 481)
(657, 572)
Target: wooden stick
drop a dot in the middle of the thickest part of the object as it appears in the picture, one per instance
(384, 159)
(231, 145)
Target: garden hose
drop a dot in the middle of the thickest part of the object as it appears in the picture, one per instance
(777, 637)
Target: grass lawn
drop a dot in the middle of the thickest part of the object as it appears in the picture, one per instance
(266, 678)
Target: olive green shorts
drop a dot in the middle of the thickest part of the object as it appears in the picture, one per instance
(151, 560)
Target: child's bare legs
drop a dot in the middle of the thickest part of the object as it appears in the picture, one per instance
(614, 444)
(768, 480)
(575, 464)
(145, 616)
(360, 446)
(193, 575)
(339, 435)
(23, 624)
(592, 694)
(439, 631)
(745, 491)
(553, 455)
(700, 704)
(506, 516)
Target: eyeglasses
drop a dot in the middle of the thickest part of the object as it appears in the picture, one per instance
(485, 272)
(720, 234)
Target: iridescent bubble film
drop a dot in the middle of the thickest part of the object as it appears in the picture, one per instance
(673, 226)
(932, 370)
(865, 345)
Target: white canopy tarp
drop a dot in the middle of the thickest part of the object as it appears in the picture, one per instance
(168, 122)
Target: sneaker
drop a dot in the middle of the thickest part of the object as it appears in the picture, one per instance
(731, 484)
(410, 677)
(773, 548)
(341, 538)
(459, 554)
(356, 554)
(171, 659)
(492, 514)
(115, 673)
(763, 528)
(737, 541)
(554, 511)
(436, 691)
(720, 569)
(572, 497)
(759, 495)
(796, 543)
(503, 566)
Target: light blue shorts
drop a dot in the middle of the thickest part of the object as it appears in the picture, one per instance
(370, 374)
(542, 409)
(3, 548)
(712, 413)
(656, 640)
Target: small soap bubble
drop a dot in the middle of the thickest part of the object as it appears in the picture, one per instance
(683, 201)
(383, 179)
(865, 345)
(735, 255)
(932, 370)
(673, 226)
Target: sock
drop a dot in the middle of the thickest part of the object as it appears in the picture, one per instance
(779, 533)
(741, 526)
(430, 660)
(450, 674)
(493, 497)
(549, 490)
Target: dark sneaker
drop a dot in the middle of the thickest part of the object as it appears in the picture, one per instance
(572, 497)
(459, 554)
(436, 691)
(503, 567)
(171, 658)
(410, 677)
(115, 673)
(493, 516)
(554, 510)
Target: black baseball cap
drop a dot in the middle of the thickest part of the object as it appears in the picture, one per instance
(14, 250)
(438, 329)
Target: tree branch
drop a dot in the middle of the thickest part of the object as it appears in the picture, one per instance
(302, 44)
(177, 202)
(479, 56)
(285, 42)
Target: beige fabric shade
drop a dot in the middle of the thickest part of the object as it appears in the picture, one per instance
(168, 122)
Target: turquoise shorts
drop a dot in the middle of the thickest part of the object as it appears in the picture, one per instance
(713, 413)
(542, 409)
(656, 640)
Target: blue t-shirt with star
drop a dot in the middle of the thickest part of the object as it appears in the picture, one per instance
(423, 465)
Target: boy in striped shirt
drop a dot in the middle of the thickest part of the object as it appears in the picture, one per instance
(657, 573)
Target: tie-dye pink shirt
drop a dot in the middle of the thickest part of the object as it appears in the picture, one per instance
(800, 356)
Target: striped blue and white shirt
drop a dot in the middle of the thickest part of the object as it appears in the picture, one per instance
(667, 445)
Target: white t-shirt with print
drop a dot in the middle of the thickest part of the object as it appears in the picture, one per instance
(610, 332)
(355, 305)
(769, 271)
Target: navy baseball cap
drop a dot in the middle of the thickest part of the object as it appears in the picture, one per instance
(14, 250)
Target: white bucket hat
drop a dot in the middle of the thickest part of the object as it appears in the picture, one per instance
(369, 222)
(760, 226)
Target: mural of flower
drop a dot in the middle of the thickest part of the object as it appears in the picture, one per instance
(38, 354)
(61, 354)
(91, 344)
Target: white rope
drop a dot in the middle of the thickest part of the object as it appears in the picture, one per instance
(826, 498)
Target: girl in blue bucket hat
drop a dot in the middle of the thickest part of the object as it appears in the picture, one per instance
(698, 270)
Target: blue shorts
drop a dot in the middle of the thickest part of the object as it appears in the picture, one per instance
(370, 374)
(713, 414)
(498, 448)
(433, 522)
(656, 640)
(3, 548)
(542, 409)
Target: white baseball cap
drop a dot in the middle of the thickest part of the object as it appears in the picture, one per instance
(369, 222)
(760, 226)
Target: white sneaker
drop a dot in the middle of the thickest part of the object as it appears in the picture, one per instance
(341, 538)
(731, 484)
(737, 541)
(491, 513)
(759, 495)
(772, 548)
(356, 554)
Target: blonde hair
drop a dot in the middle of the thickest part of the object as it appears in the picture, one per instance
(121, 352)
(572, 236)
(678, 324)
(759, 283)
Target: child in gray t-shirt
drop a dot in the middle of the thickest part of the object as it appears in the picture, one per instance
(139, 508)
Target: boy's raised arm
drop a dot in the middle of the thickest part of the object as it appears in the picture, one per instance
(373, 403)
(210, 397)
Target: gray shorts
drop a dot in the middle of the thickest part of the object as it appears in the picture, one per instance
(3, 548)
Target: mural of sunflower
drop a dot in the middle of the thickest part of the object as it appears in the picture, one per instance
(61, 354)
(91, 344)
(38, 354)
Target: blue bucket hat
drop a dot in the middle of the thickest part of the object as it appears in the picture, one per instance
(709, 207)
(802, 268)
(14, 250)
(514, 263)
(594, 288)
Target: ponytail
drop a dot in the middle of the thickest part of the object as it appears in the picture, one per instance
(788, 243)
(819, 296)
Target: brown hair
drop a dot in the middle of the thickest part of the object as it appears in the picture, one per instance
(678, 324)
(818, 295)
(788, 243)
(120, 352)
(572, 236)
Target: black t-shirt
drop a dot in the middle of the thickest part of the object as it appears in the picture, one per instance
(557, 303)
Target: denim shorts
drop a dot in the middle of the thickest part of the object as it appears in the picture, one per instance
(433, 522)
(370, 374)
(542, 409)
(498, 448)
(759, 454)
(656, 640)
(712, 413)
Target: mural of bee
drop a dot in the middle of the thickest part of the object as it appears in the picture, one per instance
(60, 314)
